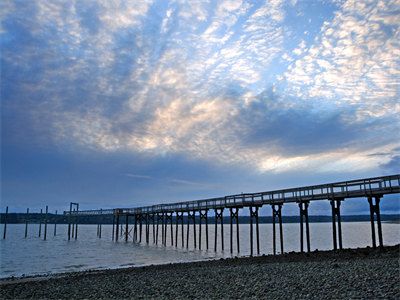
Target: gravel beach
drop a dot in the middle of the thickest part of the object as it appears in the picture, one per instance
(348, 274)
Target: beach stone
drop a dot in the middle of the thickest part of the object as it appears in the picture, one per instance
(322, 275)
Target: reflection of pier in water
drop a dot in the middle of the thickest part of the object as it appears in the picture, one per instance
(151, 216)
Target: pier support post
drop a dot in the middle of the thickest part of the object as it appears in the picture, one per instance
(26, 222)
(179, 217)
(304, 214)
(203, 216)
(235, 216)
(151, 220)
(55, 225)
(374, 210)
(69, 221)
(5, 224)
(100, 222)
(45, 223)
(154, 228)
(219, 215)
(117, 228)
(163, 241)
(135, 229)
(147, 229)
(254, 214)
(191, 216)
(126, 227)
(168, 216)
(277, 212)
(187, 230)
(140, 227)
(113, 227)
(335, 204)
(40, 224)
(159, 217)
(73, 225)
(194, 229)
(157, 225)
(77, 221)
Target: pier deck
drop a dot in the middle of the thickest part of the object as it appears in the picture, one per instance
(367, 187)
(371, 188)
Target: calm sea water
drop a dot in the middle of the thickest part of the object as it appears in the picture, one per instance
(33, 255)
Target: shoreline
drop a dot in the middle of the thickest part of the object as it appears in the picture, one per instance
(292, 256)
(266, 258)
(362, 272)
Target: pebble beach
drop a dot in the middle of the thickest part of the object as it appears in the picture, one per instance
(347, 274)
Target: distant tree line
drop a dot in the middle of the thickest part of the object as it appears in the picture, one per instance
(19, 218)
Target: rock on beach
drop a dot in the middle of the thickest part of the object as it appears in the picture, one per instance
(348, 274)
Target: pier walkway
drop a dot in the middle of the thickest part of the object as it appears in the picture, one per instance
(371, 188)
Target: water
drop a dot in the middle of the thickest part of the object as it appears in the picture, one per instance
(33, 256)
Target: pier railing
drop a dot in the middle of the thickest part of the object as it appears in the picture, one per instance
(367, 187)
(150, 216)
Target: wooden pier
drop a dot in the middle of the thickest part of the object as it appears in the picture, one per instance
(373, 189)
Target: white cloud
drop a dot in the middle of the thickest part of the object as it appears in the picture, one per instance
(356, 58)
(171, 88)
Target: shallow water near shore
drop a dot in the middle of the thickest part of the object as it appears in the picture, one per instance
(34, 256)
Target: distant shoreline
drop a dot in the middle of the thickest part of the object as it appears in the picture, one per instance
(393, 222)
(34, 218)
(357, 273)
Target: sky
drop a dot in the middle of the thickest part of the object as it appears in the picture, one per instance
(113, 103)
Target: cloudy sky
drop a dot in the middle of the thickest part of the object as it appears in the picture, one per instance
(130, 103)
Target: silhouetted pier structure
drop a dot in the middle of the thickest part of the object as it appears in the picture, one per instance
(151, 216)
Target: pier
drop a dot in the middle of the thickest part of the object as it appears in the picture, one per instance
(373, 189)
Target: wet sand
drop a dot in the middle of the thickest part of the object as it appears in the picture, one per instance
(348, 274)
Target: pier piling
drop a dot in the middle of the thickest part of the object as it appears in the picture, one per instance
(163, 242)
(168, 217)
(135, 229)
(140, 227)
(45, 223)
(375, 211)
(26, 222)
(150, 219)
(235, 216)
(126, 228)
(77, 221)
(277, 212)
(117, 228)
(113, 226)
(335, 204)
(254, 214)
(304, 215)
(5, 224)
(371, 188)
(219, 216)
(69, 221)
(158, 222)
(40, 222)
(147, 229)
(203, 216)
(101, 221)
(187, 230)
(179, 217)
(154, 228)
(191, 216)
(73, 226)
(194, 229)
(55, 224)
